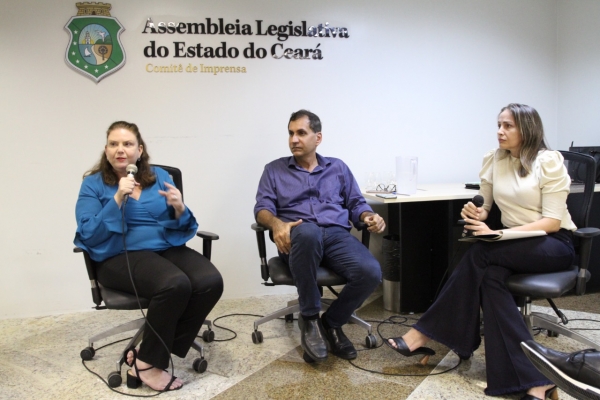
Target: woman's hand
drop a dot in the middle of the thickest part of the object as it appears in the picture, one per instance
(173, 197)
(126, 186)
(476, 213)
(474, 217)
(477, 227)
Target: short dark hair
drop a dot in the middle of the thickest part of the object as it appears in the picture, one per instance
(313, 120)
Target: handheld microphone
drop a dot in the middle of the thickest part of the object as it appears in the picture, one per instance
(131, 170)
(477, 202)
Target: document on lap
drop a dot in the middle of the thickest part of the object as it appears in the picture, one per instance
(507, 234)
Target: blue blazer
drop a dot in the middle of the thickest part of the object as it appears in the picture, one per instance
(149, 222)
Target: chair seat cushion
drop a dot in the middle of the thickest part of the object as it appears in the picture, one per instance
(116, 300)
(280, 274)
(547, 286)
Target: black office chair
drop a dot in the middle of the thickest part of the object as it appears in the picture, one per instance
(279, 273)
(117, 300)
(525, 287)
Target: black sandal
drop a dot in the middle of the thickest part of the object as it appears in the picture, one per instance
(403, 349)
(134, 381)
(134, 351)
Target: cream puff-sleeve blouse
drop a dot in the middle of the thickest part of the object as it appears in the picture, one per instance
(542, 193)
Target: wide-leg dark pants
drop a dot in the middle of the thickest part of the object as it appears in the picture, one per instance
(183, 286)
(478, 280)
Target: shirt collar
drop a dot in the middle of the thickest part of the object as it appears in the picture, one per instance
(321, 161)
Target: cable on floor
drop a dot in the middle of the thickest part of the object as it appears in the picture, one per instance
(401, 320)
(396, 320)
(106, 382)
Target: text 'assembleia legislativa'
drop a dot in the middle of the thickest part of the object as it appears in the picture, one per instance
(219, 26)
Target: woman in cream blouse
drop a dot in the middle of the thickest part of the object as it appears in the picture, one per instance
(530, 184)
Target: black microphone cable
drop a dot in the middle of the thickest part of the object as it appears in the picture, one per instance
(478, 202)
(394, 320)
(146, 322)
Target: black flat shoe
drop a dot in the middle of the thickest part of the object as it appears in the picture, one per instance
(405, 351)
(576, 373)
(313, 340)
(340, 345)
(551, 393)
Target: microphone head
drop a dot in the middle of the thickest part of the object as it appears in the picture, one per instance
(477, 200)
(131, 169)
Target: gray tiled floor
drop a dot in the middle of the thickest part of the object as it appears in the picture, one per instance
(39, 358)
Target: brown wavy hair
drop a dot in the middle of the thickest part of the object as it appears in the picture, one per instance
(145, 177)
(530, 125)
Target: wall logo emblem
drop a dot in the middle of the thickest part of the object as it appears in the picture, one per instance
(95, 47)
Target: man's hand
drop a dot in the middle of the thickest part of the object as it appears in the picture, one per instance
(281, 230)
(281, 235)
(375, 223)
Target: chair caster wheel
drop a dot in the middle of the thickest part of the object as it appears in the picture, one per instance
(552, 334)
(114, 379)
(307, 358)
(289, 318)
(200, 365)
(87, 354)
(208, 336)
(257, 337)
(371, 341)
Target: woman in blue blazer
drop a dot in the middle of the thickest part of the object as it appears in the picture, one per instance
(145, 211)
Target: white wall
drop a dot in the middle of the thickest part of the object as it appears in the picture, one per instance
(423, 77)
(578, 100)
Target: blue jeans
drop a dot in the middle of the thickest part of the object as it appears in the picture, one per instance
(334, 248)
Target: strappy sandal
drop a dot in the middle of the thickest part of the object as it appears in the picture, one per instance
(134, 381)
(126, 352)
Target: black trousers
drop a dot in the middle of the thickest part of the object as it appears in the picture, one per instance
(478, 281)
(182, 285)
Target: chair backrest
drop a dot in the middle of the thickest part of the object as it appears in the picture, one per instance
(582, 170)
(90, 264)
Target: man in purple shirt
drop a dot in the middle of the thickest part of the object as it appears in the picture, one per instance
(306, 201)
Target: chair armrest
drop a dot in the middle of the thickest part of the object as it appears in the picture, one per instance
(258, 227)
(90, 267)
(366, 235)
(262, 249)
(587, 232)
(207, 235)
(207, 239)
(585, 236)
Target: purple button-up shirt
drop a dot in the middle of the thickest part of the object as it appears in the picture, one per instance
(327, 196)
